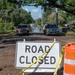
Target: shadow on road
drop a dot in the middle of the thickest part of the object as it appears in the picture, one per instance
(21, 38)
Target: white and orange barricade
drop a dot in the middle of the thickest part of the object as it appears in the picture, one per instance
(69, 59)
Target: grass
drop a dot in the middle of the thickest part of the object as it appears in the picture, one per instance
(8, 32)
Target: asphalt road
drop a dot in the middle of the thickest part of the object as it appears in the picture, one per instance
(36, 37)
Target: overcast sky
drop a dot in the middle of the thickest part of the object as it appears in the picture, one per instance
(36, 12)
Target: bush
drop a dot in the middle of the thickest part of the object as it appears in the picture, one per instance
(1, 27)
(6, 28)
(71, 33)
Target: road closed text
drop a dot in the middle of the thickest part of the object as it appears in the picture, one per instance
(45, 60)
(26, 59)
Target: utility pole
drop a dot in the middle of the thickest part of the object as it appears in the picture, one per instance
(42, 18)
(57, 14)
(57, 17)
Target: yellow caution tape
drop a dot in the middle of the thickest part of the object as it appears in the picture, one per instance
(59, 61)
(23, 70)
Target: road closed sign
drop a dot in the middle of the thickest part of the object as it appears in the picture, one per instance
(28, 52)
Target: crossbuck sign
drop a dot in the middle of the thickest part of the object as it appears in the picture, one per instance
(28, 52)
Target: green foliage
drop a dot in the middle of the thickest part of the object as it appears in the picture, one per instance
(21, 16)
(6, 27)
(70, 17)
(52, 18)
(4, 4)
(10, 15)
(63, 17)
(9, 26)
(45, 15)
(23, 2)
(70, 33)
(38, 21)
(70, 3)
(67, 5)
(1, 27)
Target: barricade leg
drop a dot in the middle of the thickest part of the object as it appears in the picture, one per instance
(22, 73)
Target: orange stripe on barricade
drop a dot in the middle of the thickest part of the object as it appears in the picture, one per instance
(69, 59)
(69, 69)
(70, 55)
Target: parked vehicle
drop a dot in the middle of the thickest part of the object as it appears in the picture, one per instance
(23, 29)
(51, 29)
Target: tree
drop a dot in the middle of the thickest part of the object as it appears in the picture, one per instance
(5, 4)
(49, 16)
(52, 18)
(10, 17)
(46, 14)
(16, 16)
(8, 13)
(38, 21)
(66, 5)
